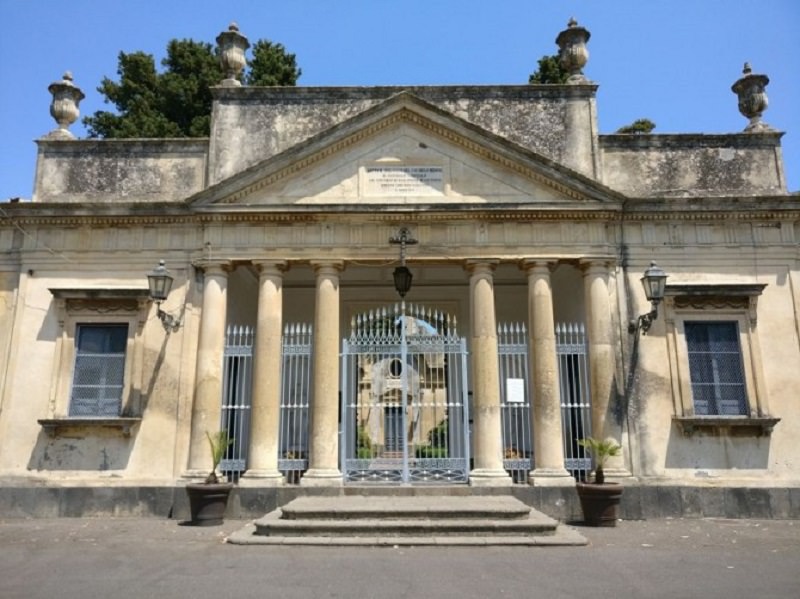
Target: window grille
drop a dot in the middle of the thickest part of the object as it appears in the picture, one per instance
(715, 367)
(98, 378)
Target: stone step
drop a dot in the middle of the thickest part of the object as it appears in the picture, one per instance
(410, 507)
(534, 524)
(563, 536)
(383, 520)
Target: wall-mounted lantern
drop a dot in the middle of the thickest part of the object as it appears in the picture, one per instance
(654, 282)
(160, 282)
(402, 275)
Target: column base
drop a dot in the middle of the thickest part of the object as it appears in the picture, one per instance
(262, 478)
(318, 477)
(484, 477)
(195, 475)
(616, 473)
(551, 477)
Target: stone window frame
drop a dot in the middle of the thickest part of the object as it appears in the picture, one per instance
(75, 307)
(723, 303)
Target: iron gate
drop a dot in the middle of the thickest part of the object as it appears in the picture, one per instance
(404, 398)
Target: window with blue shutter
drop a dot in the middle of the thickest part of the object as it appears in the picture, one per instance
(98, 378)
(715, 368)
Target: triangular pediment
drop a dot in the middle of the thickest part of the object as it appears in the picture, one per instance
(406, 152)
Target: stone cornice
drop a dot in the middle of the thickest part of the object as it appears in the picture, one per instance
(714, 289)
(98, 147)
(55, 215)
(294, 94)
(691, 141)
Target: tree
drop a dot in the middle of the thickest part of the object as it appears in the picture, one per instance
(177, 101)
(638, 126)
(549, 71)
(272, 65)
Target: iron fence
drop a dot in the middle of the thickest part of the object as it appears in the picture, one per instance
(515, 405)
(295, 401)
(576, 416)
(237, 380)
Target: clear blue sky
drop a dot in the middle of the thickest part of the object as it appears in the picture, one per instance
(672, 61)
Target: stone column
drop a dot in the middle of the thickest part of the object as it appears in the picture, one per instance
(546, 413)
(265, 411)
(324, 442)
(601, 354)
(207, 406)
(486, 430)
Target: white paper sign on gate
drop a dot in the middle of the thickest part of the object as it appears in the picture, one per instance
(515, 390)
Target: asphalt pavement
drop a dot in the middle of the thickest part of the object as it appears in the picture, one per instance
(123, 557)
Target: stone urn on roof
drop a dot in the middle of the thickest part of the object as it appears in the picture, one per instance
(572, 52)
(751, 89)
(64, 107)
(232, 46)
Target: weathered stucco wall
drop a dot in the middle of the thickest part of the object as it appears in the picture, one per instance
(693, 165)
(80, 171)
(32, 389)
(252, 124)
(659, 448)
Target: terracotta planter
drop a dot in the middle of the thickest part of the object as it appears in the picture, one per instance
(208, 502)
(600, 503)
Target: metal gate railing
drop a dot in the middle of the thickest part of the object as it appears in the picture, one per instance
(576, 411)
(295, 401)
(237, 381)
(404, 398)
(515, 406)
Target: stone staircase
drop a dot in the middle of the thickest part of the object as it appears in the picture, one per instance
(406, 520)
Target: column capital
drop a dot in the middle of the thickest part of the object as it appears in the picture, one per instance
(531, 264)
(270, 266)
(481, 266)
(327, 266)
(595, 265)
(211, 266)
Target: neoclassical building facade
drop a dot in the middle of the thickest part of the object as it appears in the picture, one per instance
(289, 236)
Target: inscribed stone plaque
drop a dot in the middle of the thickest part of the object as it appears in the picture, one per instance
(404, 181)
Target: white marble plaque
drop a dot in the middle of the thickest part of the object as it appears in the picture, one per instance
(515, 390)
(404, 181)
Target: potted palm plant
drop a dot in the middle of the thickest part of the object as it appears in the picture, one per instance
(599, 499)
(208, 500)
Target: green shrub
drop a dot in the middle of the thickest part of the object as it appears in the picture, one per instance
(364, 445)
(437, 436)
(426, 451)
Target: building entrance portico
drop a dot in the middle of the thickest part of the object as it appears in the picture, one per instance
(415, 392)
